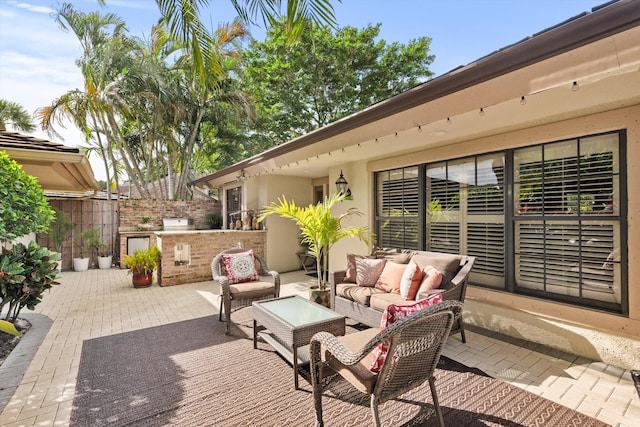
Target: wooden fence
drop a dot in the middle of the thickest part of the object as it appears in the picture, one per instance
(85, 215)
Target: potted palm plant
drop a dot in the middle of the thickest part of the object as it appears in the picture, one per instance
(141, 265)
(94, 241)
(105, 257)
(319, 231)
(58, 232)
(87, 242)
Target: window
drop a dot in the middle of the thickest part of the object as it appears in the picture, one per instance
(546, 220)
(567, 220)
(397, 208)
(465, 213)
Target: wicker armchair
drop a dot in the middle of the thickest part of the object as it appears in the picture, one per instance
(239, 295)
(416, 344)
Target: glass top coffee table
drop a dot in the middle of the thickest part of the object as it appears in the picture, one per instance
(288, 323)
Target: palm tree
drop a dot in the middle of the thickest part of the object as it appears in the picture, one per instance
(182, 18)
(106, 52)
(202, 101)
(16, 115)
(319, 229)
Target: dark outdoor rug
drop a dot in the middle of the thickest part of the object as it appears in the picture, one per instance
(190, 374)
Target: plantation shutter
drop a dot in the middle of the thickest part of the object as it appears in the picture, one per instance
(566, 250)
(397, 207)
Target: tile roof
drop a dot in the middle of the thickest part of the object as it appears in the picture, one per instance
(17, 140)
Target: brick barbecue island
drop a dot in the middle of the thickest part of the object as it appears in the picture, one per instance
(186, 255)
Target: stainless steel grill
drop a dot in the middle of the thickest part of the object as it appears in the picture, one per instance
(169, 224)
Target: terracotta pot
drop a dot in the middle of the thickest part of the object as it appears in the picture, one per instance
(142, 280)
(322, 297)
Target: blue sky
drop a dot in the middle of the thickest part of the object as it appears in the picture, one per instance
(37, 59)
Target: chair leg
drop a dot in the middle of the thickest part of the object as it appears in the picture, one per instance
(226, 302)
(374, 411)
(436, 404)
(316, 383)
(220, 314)
(464, 338)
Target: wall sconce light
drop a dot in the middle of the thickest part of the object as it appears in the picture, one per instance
(342, 185)
(242, 176)
(182, 254)
(574, 86)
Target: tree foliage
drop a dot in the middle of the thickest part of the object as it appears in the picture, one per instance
(23, 205)
(15, 114)
(144, 109)
(324, 76)
(182, 18)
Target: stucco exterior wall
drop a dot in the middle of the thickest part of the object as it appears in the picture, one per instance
(356, 174)
(594, 334)
(282, 234)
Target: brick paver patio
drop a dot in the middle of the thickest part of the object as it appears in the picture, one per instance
(103, 302)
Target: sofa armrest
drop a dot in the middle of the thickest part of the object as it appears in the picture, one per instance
(463, 273)
(447, 294)
(336, 277)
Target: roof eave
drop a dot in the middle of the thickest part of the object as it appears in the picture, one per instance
(609, 20)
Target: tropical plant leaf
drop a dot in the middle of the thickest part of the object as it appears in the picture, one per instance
(9, 328)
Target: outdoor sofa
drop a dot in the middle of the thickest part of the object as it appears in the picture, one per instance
(371, 283)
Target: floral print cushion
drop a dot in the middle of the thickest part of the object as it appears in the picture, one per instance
(240, 267)
(392, 314)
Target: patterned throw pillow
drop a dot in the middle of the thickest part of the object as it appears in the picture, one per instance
(240, 267)
(350, 275)
(392, 314)
(368, 270)
(410, 281)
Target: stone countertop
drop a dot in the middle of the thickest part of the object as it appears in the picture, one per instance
(175, 232)
(138, 232)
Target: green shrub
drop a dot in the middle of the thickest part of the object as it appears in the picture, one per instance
(23, 205)
(26, 271)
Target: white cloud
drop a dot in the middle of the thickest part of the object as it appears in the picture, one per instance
(32, 8)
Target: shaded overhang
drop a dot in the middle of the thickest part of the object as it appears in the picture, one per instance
(58, 169)
(597, 50)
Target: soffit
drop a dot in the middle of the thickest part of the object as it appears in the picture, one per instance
(58, 168)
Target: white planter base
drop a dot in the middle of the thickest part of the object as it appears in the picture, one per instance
(80, 264)
(104, 262)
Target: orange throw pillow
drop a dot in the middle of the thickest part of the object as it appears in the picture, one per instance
(410, 281)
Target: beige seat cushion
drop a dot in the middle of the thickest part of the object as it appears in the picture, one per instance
(359, 374)
(359, 294)
(251, 290)
(381, 301)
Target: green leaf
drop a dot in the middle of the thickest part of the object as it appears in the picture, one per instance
(9, 328)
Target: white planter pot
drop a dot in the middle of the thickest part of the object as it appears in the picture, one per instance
(104, 262)
(80, 264)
